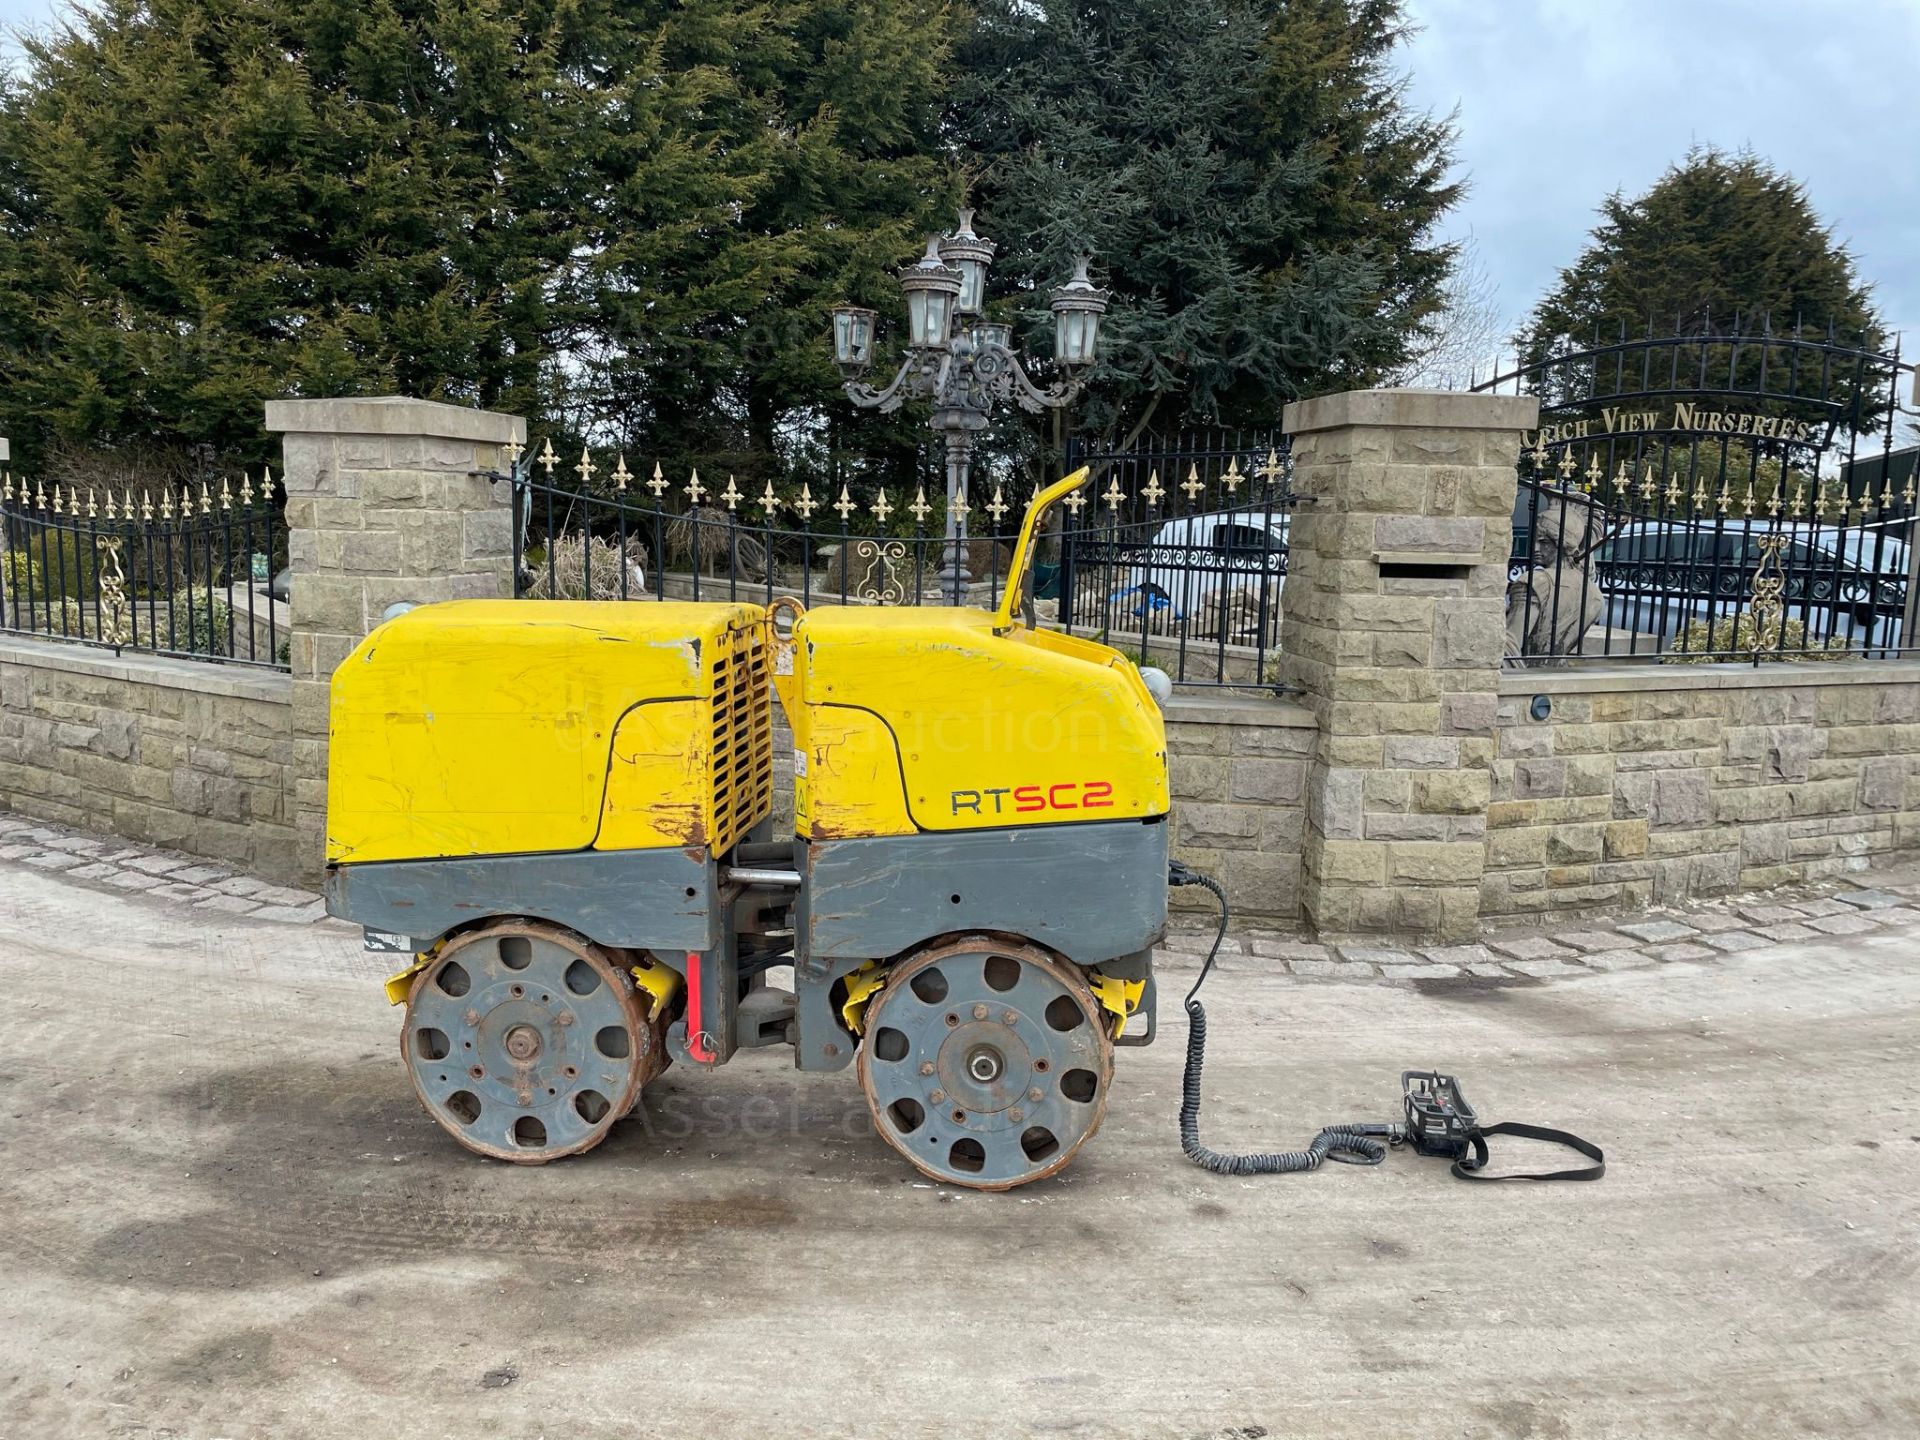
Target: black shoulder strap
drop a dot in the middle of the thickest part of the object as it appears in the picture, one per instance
(1469, 1168)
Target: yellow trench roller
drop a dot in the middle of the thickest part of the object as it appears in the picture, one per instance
(559, 816)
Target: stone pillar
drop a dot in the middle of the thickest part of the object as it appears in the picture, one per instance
(382, 506)
(5, 453)
(1394, 629)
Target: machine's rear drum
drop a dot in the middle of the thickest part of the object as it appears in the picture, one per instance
(986, 1062)
(526, 1042)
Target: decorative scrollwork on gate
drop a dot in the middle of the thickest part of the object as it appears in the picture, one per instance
(878, 565)
(114, 628)
(1769, 585)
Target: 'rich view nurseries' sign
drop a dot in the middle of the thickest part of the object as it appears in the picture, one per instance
(1685, 417)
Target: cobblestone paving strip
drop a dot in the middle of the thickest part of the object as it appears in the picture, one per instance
(1871, 902)
(153, 874)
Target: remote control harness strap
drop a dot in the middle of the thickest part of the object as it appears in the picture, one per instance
(1471, 1167)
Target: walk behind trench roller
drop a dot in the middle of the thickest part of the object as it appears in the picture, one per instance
(561, 813)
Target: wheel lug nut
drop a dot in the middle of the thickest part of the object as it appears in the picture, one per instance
(565, 1017)
(526, 1097)
(937, 1096)
(926, 1067)
(1007, 1017)
(1016, 1116)
(472, 1017)
(980, 1012)
(1034, 1095)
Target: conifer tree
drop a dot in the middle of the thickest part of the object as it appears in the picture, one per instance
(1716, 244)
(1248, 176)
(623, 220)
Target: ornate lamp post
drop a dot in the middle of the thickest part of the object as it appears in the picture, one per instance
(965, 363)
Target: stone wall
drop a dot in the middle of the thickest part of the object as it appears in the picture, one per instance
(181, 753)
(1655, 784)
(1238, 771)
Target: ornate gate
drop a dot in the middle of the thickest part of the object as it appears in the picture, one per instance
(1712, 496)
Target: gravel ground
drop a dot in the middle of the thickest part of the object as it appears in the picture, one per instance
(225, 1215)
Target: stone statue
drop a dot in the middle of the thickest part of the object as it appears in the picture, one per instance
(1553, 605)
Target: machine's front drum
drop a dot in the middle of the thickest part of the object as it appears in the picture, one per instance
(986, 1062)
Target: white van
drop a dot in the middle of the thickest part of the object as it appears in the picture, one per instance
(1217, 575)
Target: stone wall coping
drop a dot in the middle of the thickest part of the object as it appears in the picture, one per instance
(1411, 409)
(395, 415)
(200, 676)
(1731, 675)
(1191, 709)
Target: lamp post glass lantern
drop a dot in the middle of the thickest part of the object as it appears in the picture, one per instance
(964, 363)
(853, 335)
(971, 256)
(1077, 308)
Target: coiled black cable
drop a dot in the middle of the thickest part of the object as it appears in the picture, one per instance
(1349, 1144)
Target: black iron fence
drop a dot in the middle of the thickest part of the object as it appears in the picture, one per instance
(614, 534)
(187, 571)
(1707, 497)
(1175, 551)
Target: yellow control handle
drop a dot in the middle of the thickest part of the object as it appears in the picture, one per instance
(1019, 573)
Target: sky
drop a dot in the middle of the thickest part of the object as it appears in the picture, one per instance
(1560, 102)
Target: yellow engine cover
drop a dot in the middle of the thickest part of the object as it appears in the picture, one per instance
(484, 727)
(925, 718)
